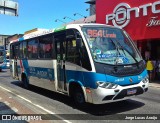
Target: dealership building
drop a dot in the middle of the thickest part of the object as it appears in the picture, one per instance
(139, 18)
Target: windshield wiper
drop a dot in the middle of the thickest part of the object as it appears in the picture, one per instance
(128, 53)
(117, 49)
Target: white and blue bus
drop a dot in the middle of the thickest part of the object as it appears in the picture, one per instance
(92, 63)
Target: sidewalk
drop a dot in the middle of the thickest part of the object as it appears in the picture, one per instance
(155, 83)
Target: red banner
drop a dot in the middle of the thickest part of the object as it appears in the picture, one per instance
(140, 18)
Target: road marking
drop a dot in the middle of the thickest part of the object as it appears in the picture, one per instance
(52, 113)
(14, 109)
(24, 98)
(46, 110)
(5, 89)
(7, 103)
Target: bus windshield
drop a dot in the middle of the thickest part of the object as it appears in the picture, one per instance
(111, 46)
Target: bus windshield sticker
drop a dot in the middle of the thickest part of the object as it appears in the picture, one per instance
(121, 59)
(74, 43)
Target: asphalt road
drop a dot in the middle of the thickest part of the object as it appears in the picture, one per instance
(40, 101)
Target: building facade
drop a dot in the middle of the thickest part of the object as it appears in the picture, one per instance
(13, 37)
(3, 40)
(139, 18)
(92, 9)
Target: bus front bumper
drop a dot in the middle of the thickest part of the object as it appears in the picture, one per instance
(103, 95)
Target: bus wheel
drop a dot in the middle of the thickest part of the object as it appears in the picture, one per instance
(0, 70)
(25, 82)
(78, 97)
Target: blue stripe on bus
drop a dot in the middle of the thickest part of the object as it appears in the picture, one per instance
(86, 79)
(21, 39)
(128, 79)
(89, 79)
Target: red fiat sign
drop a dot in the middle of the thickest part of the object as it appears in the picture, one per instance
(140, 18)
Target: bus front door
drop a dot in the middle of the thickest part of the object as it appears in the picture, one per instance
(61, 72)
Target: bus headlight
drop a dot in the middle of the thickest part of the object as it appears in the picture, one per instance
(145, 80)
(106, 85)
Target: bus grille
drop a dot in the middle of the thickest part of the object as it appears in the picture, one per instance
(123, 93)
(122, 71)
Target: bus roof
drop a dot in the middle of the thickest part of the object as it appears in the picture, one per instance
(88, 24)
(39, 32)
(35, 33)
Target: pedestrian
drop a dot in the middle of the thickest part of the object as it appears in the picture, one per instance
(149, 67)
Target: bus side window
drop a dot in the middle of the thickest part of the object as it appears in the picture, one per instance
(33, 49)
(72, 52)
(11, 51)
(60, 47)
(84, 58)
(76, 50)
(16, 50)
(46, 47)
(21, 50)
(24, 49)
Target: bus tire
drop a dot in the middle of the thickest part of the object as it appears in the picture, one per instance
(0, 70)
(25, 82)
(78, 97)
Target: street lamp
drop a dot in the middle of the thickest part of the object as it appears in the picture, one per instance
(82, 16)
(60, 21)
(87, 9)
(69, 18)
(79, 14)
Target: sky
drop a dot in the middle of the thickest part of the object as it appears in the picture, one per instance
(41, 14)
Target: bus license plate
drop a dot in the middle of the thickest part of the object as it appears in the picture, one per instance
(131, 91)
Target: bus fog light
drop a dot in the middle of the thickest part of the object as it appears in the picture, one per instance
(106, 85)
(112, 86)
(145, 80)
